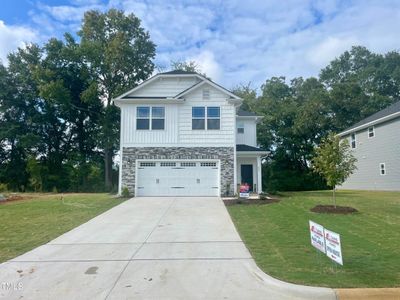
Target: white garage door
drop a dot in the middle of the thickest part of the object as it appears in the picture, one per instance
(177, 178)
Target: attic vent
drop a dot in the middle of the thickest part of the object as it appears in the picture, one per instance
(206, 94)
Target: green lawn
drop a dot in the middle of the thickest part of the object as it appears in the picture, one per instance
(27, 224)
(277, 236)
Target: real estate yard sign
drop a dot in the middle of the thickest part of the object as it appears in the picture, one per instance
(317, 236)
(326, 241)
(244, 191)
(333, 246)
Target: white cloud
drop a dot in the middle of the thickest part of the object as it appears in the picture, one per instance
(207, 63)
(12, 37)
(247, 41)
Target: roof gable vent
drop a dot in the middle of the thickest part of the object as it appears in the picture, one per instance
(206, 94)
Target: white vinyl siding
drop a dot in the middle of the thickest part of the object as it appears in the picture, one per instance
(249, 137)
(178, 123)
(165, 87)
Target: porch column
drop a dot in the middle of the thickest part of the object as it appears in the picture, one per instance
(259, 181)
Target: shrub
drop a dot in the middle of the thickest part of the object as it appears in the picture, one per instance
(3, 187)
(125, 192)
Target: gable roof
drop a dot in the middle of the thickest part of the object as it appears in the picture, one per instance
(175, 73)
(383, 115)
(179, 72)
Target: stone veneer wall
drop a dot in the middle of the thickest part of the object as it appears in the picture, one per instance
(224, 154)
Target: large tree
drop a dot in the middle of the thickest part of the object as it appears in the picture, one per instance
(120, 55)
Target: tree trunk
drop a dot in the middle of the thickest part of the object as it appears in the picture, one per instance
(334, 195)
(108, 168)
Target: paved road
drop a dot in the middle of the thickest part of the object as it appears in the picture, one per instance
(148, 248)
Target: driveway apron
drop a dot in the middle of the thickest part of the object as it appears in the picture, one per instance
(149, 248)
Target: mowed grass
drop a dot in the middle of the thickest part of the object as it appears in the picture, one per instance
(26, 224)
(277, 236)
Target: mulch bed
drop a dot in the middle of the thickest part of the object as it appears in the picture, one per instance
(331, 209)
(11, 198)
(229, 202)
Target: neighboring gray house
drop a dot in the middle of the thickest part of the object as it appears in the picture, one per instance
(375, 142)
(184, 135)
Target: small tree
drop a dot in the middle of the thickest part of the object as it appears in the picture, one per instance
(334, 161)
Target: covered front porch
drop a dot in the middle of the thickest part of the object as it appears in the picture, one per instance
(249, 167)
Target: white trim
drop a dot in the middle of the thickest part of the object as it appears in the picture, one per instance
(259, 181)
(373, 132)
(386, 118)
(216, 86)
(139, 86)
(121, 102)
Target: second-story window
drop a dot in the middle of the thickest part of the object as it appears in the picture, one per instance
(150, 118)
(353, 140)
(157, 118)
(213, 118)
(143, 118)
(198, 117)
(206, 118)
(371, 132)
(240, 127)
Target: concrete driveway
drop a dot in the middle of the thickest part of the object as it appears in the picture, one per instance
(148, 248)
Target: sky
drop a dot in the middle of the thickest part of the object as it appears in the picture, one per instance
(233, 42)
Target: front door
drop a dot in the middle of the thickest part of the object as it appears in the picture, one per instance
(246, 173)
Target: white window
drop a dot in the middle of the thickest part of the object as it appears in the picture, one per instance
(208, 164)
(206, 94)
(201, 113)
(240, 127)
(150, 118)
(188, 164)
(167, 164)
(371, 132)
(147, 164)
(382, 168)
(353, 140)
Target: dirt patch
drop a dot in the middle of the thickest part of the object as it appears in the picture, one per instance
(14, 197)
(331, 209)
(229, 202)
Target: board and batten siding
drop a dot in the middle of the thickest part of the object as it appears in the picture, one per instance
(225, 136)
(178, 123)
(165, 87)
(384, 147)
(249, 137)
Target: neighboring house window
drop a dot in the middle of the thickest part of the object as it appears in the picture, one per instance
(147, 118)
(198, 117)
(382, 168)
(371, 132)
(206, 94)
(240, 127)
(157, 118)
(213, 118)
(143, 118)
(353, 140)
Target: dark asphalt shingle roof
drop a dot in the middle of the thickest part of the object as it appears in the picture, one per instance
(394, 108)
(179, 72)
(244, 113)
(242, 147)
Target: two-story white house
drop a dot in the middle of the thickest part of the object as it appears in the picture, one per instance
(184, 135)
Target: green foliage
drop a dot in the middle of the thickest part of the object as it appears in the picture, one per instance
(125, 192)
(3, 187)
(334, 160)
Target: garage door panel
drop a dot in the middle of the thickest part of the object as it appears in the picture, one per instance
(174, 178)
